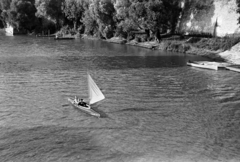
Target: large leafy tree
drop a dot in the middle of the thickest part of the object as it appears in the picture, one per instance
(124, 23)
(172, 12)
(74, 10)
(51, 9)
(100, 16)
(122, 8)
(22, 14)
(5, 4)
(89, 21)
(4, 11)
(91, 26)
(148, 15)
(137, 12)
(153, 16)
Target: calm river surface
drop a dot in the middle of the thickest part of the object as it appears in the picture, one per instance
(157, 109)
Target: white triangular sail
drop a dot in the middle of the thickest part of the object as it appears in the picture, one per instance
(95, 94)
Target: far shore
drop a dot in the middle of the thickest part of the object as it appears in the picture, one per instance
(174, 44)
(183, 46)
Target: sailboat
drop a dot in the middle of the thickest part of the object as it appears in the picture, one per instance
(95, 95)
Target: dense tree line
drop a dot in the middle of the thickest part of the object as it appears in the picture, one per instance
(103, 18)
(238, 9)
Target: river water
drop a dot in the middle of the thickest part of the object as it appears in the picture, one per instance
(157, 109)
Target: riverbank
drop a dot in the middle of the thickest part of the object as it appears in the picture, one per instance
(217, 49)
(232, 55)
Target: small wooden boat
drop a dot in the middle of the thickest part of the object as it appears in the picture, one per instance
(86, 108)
(95, 95)
(233, 69)
(218, 64)
(202, 65)
(46, 35)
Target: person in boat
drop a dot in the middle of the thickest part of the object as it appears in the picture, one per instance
(81, 103)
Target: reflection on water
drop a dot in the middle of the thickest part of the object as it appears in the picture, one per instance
(156, 108)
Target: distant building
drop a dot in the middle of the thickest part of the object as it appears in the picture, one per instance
(9, 30)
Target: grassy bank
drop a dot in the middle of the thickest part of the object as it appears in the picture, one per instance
(207, 47)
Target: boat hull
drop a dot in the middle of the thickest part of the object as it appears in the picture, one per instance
(64, 38)
(204, 66)
(87, 110)
(233, 69)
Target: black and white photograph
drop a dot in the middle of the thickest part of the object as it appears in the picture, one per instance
(119, 80)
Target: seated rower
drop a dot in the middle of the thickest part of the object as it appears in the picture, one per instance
(81, 103)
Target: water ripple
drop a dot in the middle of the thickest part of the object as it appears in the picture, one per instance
(156, 108)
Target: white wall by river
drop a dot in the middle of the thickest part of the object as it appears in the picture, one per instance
(224, 11)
